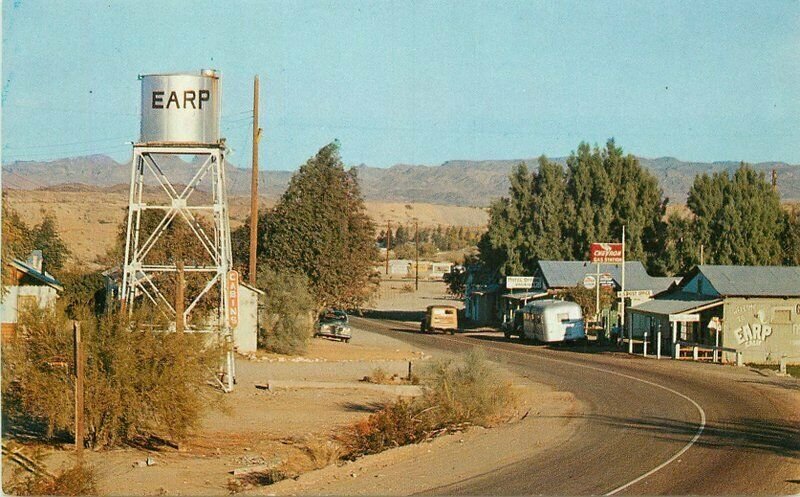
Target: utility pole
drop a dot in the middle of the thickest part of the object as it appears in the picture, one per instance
(416, 255)
(179, 299)
(80, 358)
(254, 188)
(388, 242)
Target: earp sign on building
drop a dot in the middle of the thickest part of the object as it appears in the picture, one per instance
(606, 252)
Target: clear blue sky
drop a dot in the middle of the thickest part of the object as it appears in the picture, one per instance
(416, 82)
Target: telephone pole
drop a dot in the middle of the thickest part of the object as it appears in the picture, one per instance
(254, 188)
(80, 359)
(388, 242)
(416, 255)
(179, 299)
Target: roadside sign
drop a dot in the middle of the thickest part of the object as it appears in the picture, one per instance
(232, 293)
(684, 318)
(605, 252)
(589, 282)
(634, 293)
(513, 282)
(606, 279)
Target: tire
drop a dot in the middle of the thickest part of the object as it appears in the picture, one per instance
(346, 340)
(452, 331)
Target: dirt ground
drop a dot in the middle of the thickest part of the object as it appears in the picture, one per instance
(89, 221)
(309, 400)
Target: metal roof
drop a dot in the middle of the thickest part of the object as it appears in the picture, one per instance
(565, 274)
(523, 295)
(42, 276)
(752, 281)
(676, 303)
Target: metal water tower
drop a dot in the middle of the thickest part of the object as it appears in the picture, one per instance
(180, 120)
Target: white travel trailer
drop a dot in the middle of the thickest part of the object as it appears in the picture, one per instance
(553, 321)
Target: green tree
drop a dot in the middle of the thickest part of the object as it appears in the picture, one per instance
(320, 228)
(550, 213)
(17, 241)
(738, 218)
(506, 245)
(45, 237)
(791, 238)
(400, 236)
(681, 247)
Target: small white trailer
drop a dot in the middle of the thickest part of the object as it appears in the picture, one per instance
(553, 321)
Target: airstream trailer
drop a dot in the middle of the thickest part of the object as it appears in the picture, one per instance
(553, 321)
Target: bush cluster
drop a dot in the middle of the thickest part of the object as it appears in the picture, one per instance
(139, 381)
(454, 395)
(288, 323)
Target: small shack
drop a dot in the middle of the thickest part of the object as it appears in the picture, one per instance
(30, 285)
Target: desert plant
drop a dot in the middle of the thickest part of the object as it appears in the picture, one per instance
(288, 324)
(455, 394)
(80, 479)
(140, 381)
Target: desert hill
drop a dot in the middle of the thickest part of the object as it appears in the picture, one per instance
(462, 182)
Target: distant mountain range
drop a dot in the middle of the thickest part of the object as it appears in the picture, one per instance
(461, 182)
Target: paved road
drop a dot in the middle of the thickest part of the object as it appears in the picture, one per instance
(647, 427)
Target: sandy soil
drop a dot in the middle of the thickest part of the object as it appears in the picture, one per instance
(89, 221)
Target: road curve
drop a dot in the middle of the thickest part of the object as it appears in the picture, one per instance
(646, 427)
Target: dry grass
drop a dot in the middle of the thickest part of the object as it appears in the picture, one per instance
(79, 479)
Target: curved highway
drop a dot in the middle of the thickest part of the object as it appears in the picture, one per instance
(645, 427)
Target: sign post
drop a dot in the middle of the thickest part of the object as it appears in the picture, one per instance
(607, 253)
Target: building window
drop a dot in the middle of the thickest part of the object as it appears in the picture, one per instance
(782, 316)
(27, 302)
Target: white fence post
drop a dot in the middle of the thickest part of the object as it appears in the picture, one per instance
(782, 366)
(739, 358)
(658, 345)
(676, 347)
(644, 345)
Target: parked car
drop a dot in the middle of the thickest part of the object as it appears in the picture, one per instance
(333, 323)
(440, 318)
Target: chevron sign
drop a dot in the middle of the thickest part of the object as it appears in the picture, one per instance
(605, 252)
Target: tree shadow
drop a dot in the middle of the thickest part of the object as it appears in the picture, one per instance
(369, 407)
(753, 435)
(415, 316)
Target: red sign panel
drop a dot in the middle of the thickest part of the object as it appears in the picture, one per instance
(605, 252)
(232, 292)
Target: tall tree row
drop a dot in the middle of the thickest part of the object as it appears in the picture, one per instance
(555, 213)
(736, 219)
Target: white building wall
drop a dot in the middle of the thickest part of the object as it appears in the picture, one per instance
(245, 335)
(9, 308)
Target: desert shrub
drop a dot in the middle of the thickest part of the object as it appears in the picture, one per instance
(139, 381)
(465, 392)
(407, 288)
(84, 291)
(290, 307)
(76, 480)
(455, 394)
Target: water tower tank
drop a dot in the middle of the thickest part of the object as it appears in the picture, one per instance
(181, 108)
